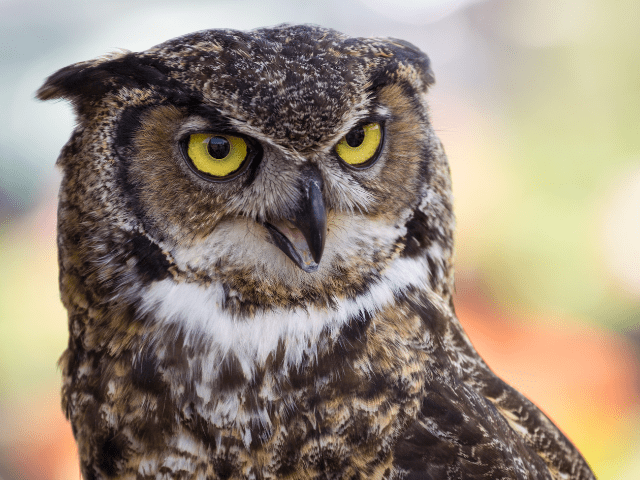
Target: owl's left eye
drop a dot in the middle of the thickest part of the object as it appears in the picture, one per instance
(217, 155)
(360, 146)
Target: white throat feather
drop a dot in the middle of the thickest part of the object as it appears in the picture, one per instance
(198, 312)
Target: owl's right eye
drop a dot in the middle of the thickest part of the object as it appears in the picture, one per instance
(218, 156)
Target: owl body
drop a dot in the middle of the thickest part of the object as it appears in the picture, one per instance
(288, 315)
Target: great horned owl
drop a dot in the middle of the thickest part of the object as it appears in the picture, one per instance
(255, 240)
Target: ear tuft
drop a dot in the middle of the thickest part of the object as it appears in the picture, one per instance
(79, 79)
(409, 53)
(405, 63)
(87, 82)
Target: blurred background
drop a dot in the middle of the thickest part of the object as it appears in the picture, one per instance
(538, 105)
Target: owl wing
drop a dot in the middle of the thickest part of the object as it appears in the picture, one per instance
(459, 434)
(472, 425)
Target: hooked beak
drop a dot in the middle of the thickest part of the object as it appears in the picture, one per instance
(302, 237)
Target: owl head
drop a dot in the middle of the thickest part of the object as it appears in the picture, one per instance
(290, 165)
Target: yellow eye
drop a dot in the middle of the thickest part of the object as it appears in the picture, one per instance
(360, 144)
(217, 155)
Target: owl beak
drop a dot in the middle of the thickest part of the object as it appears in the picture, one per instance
(302, 237)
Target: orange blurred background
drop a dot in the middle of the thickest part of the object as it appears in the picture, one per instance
(538, 106)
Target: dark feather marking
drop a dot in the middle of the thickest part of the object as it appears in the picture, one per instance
(110, 450)
(152, 263)
(224, 467)
(128, 125)
(433, 318)
(145, 375)
(199, 427)
(231, 375)
(419, 235)
(87, 470)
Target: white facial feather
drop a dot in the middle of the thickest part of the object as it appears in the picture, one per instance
(239, 242)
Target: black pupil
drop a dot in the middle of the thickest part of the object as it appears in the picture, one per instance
(218, 147)
(355, 137)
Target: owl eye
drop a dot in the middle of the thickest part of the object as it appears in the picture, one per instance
(360, 146)
(217, 155)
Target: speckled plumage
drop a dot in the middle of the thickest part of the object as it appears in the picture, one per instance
(198, 349)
